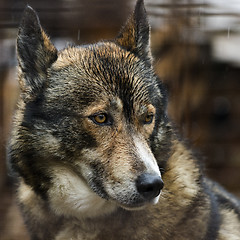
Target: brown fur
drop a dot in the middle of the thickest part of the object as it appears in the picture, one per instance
(91, 144)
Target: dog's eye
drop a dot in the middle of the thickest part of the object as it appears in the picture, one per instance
(149, 118)
(100, 119)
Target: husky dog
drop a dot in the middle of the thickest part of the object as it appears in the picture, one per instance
(94, 151)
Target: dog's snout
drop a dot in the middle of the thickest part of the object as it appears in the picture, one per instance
(149, 185)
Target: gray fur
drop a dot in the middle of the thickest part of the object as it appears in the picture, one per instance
(90, 129)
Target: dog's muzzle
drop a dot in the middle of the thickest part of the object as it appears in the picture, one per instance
(149, 186)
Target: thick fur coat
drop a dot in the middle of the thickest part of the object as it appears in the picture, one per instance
(94, 152)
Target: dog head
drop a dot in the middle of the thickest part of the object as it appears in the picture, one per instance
(91, 119)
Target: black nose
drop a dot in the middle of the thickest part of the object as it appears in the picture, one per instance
(149, 185)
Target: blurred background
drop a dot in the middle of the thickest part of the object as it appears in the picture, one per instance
(196, 45)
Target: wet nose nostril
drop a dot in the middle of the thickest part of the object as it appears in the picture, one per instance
(149, 186)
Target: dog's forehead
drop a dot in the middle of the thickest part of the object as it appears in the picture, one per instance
(93, 53)
(104, 62)
(104, 69)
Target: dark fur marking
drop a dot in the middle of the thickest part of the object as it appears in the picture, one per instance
(214, 218)
(96, 181)
(33, 111)
(28, 40)
(163, 151)
(52, 226)
(224, 198)
(32, 172)
(35, 51)
(59, 121)
(118, 82)
(227, 203)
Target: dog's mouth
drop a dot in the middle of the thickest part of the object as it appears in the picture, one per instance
(146, 192)
(140, 205)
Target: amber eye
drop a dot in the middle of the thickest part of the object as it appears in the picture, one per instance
(149, 118)
(100, 119)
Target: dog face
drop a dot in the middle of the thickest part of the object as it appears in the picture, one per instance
(112, 111)
(89, 119)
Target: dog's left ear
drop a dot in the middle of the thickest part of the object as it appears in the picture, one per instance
(35, 52)
(135, 35)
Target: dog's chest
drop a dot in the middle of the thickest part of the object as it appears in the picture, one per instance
(116, 228)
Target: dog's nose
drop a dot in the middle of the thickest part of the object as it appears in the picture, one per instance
(149, 185)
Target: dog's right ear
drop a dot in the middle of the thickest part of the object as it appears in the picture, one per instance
(35, 52)
(135, 34)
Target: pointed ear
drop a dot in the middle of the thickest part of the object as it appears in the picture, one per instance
(35, 51)
(135, 35)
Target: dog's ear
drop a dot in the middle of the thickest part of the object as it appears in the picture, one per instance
(35, 52)
(135, 35)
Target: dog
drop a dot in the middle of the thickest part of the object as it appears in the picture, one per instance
(95, 154)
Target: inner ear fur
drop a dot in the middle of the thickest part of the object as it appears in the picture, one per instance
(135, 34)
